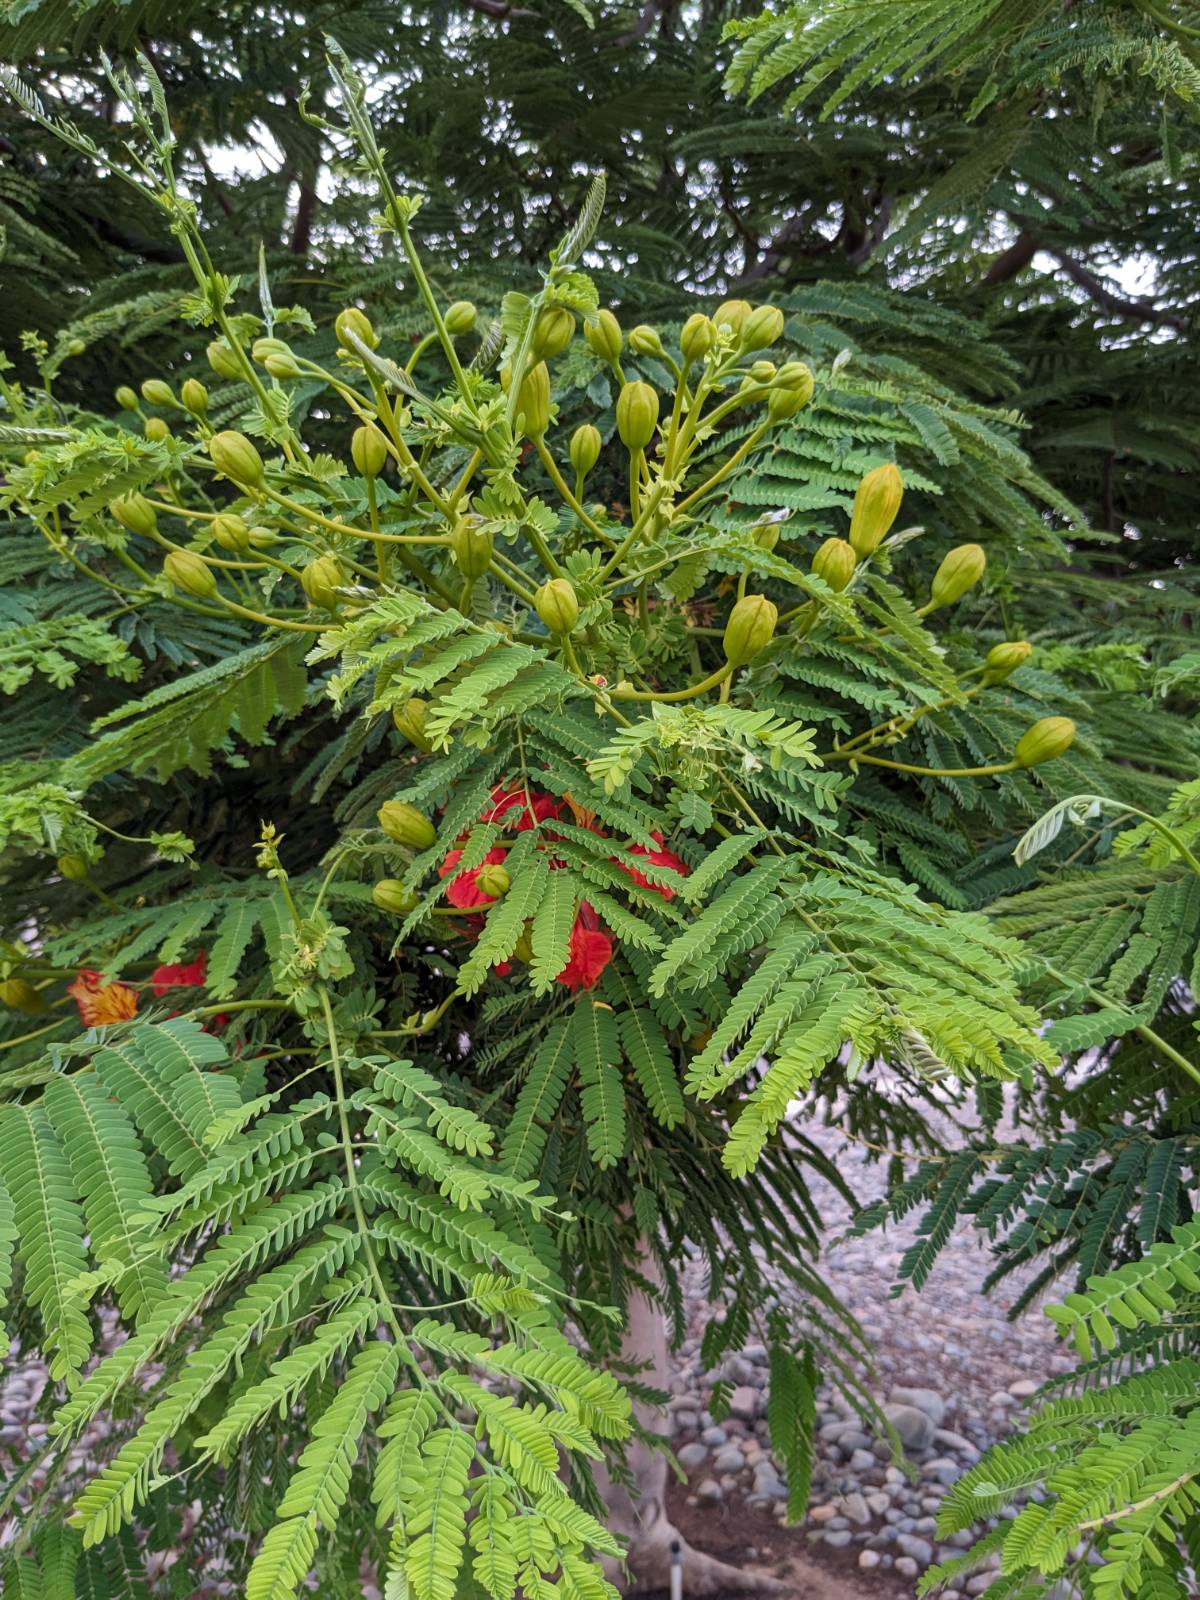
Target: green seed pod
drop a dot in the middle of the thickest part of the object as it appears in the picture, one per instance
(784, 403)
(493, 881)
(20, 995)
(235, 457)
(389, 894)
(471, 547)
(750, 628)
(533, 401)
(644, 341)
(604, 336)
(275, 357)
(960, 570)
(73, 867)
(553, 332)
(353, 321)
(834, 563)
(320, 580)
(157, 393)
(368, 450)
(876, 506)
(194, 396)
(585, 448)
(223, 361)
(1004, 659)
(460, 317)
(558, 605)
(795, 375)
(191, 573)
(1045, 741)
(761, 328)
(134, 512)
(230, 532)
(156, 429)
(732, 314)
(637, 415)
(262, 538)
(406, 825)
(765, 536)
(697, 337)
(763, 371)
(127, 398)
(410, 721)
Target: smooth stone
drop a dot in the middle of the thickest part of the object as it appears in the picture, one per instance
(913, 1425)
(730, 1459)
(1023, 1388)
(714, 1437)
(710, 1490)
(821, 1514)
(857, 1509)
(926, 1400)
(907, 1567)
(692, 1456)
(955, 1441)
(838, 1539)
(868, 1559)
(861, 1461)
(745, 1402)
(919, 1549)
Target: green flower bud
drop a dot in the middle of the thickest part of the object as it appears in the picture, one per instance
(644, 341)
(553, 332)
(410, 721)
(876, 505)
(585, 448)
(157, 393)
(127, 398)
(156, 429)
(604, 336)
(523, 949)
(493, 881)
(320, 580)
(533, 401)
(750, 628)
(1045, 741)
(223, 361)
(795, 375)
(73, 867)
(697, 337)
(763, 371)
(834, 563)
(406, 825)
(960, 570)
(558, 605)
(765, 535)
(262, 538)
(1004, 659)
(20, 995)
(389, 894)
(134, 512)
(784, 403)
(353, 321)
(471, 547)
(194, 396)
(191, 573)
(368, 450)
(637, 415)
(230, 532)
(761, 328)
(732, 314)
(276, 357)
(460, 317)
(235, 457)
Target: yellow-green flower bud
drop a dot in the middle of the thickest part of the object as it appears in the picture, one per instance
(876, 506)
(223, 361)
(353, 321)
(127, 398)
(553, 332)
(637, 415)
(235, 457)
(765, 536)
(761, 328)
(960, 570)
(533, 400)
(389, 894)
(1045, 741)
(194, 396)
(795, 375)
(73, 867)
(230, 532)
(368, 450)
(320, 580)
(644, 341)
(410, 721)
(191, 573)
(834, 563)
(750, 628)
(523, 949)
(157, 393)
(558, 605)
(471, 547)
(406, 825)
(156, 429)
(493, 881)
(460, 317)
(134, 512)
(276, 357)
(763, 371)
(732, 314)
(585, 448)
(20, 995)
(697, 337)
(1004, 659)
(604, 336)
(784, 403)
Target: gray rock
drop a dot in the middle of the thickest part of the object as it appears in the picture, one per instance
(914, 1426)
(714, 1437)
(1023, 1388)
(979, 1584)
(744, 1402)
(926, 1400)
(692, 1456)
(710, 1489)
(919, 1549)
(955, 1441)
(857, 1509)
(688, 1421)
(907, 1567)
(838, 1539)
(942, 1468)
(861, 1461)
(838, 1523)
(868, 1559)
(853, 1438)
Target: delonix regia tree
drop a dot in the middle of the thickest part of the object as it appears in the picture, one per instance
(534, 852)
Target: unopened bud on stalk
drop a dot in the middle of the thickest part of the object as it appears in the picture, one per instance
(194, 396)
(763, 371)
(135, 513)
(471, 546)
(320, 580)
(276, 358)
(750, 628)
(876, 505)
(20, 995)
(732, 314)
(553, 332)
(765, 535)
(235, 457)
(533, 399)
(406, 825)
(73, 867)
(604, 336)
(697, 337)
(644, 341)
(191, 573)
(368, 450)
(156, 429)
(585, 448)
(389, 894)
(353, 321)
(783, 403)
(960, 570)
(557, 605)
(1045, 741)
(230, 532)
(223, 361)
(637, 415)
(834, 563)
(1004, 659)
(157, 393)
(127, 398)
(460, 317)
(761, 328)
(493, 881)
(410, 721)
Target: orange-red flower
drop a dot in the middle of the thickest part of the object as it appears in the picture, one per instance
(656, 858)
(101, 1003)
(464, 891)
(530, 808)
(176, 976)
(591, 950)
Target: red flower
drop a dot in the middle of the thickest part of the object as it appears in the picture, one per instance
(99, 1002)
(656, 858)
(591, 951)
(176, 976)
(464, 891)
(534, 808)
